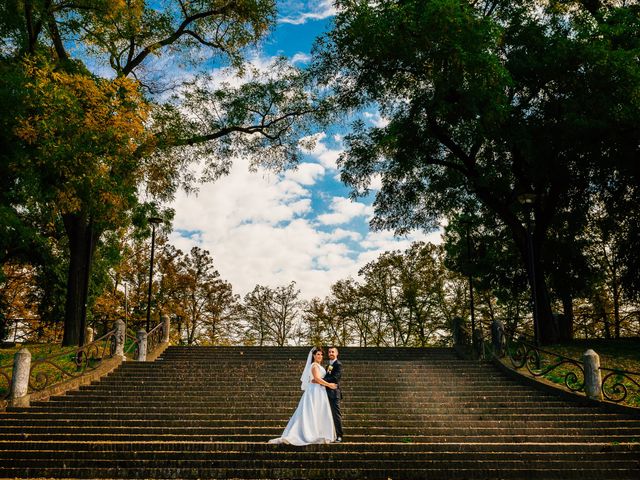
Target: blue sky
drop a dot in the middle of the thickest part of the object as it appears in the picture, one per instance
(270, 229)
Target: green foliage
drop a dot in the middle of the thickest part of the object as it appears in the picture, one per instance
(486, 101)
(79, 148)
(269, 314)
(404, 298)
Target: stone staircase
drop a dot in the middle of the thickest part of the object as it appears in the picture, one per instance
(207, 412)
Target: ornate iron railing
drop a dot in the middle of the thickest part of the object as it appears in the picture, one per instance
(616, 384)
(541, 363)
(5, 380)
(134, 345)
(48, 371)
(155, 336)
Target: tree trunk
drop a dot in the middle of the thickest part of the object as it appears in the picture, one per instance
(548, 331)
(566, 321)
(548, 324)
(82, 237)
(616, 298)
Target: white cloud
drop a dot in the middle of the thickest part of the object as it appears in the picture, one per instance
(312, 10)
(376, 182)
(306, 173)
(260, 229)
(327, 157)
(301, 58)
(376, 119)
(344, 210)
(341, 234)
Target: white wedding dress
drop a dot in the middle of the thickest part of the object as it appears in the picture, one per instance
(312, 421)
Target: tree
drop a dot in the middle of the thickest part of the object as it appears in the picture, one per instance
(351, 303)
(315, 316)
(408, 288)
(208, 301)
(81, 133)
(488, 100)
(199, 119)
(270, 314)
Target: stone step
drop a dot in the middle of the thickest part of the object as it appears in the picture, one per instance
(328, 454)
(354, 422)
(355, 430)
(249, 402)
(43, 415)
(427, 409)
(293, 374)
(234, 378)
(405, 437)
(353, 395)
(350, 447)
(284, 366)
(227, 378)
(433, 471)
(456, 461)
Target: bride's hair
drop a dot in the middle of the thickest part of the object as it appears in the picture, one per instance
(316, 350)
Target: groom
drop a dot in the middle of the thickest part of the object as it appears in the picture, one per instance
(334, 372)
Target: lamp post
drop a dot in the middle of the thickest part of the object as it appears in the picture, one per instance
(126, 306)
(528, 200)
(153, 221)
(467, 224)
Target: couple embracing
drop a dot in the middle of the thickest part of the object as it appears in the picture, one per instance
(318, 418)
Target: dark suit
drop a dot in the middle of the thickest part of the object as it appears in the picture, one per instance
(333, 376)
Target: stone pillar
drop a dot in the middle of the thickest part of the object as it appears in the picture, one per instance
(142, 346)
(120, 337)
(88, 335)
(19, 394)
(497, 338)
(457, 330)
(592, 376)
(478, 342)
(165, 329)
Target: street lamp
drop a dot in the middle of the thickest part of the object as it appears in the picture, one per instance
(467, 224)
(153, 221)
(126, 307)
(528, 200)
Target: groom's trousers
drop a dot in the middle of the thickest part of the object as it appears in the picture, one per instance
(334, 400)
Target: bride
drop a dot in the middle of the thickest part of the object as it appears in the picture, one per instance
(312, 421)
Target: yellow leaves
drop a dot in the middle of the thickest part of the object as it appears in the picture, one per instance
(85, 132)
(78, 107)
(26, 132)
(68, 202)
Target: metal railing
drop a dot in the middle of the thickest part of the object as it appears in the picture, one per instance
(134, 345)
(155, 337)
(70, 363)
(48, 371)
(5, 378)
(616, 385)
(540, 363)
(616, 389)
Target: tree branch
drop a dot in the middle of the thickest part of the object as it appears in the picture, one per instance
(181, 30)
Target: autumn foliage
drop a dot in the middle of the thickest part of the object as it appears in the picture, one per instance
(83, 133)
